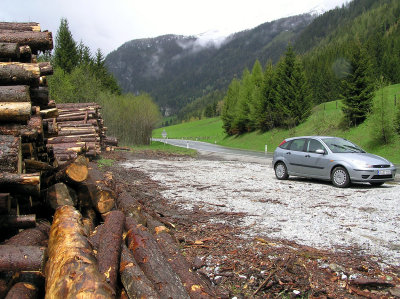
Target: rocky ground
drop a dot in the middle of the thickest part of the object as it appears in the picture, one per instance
(256, 237)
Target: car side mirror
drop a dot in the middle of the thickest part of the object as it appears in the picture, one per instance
(320, 151)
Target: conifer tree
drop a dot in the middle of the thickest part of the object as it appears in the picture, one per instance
(266, 116)
(229, 106)
(257, 78)
(65, 50)
(357, 87)
(241, 122)
(291, 90)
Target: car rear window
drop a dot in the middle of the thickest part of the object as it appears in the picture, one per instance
(285, 145)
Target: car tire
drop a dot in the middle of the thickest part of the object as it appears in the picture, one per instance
(340, 177)
(376, 184)
(281, 172)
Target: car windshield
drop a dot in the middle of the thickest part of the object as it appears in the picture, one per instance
(339, 145)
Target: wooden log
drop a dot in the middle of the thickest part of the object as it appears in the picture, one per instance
(23, 290)
(39, 95)
(45, 69)
(20, 26)
(76, 171)
(108, 255)
(195, 286)
(135, 282)
(31, 132)
(15, 112)
(17, 73)
(38, 41)
(25, 54)
(9, 51)
(49, 113)
(11, 154)
(77, 105)
(71, 270)
(18, 221)
(36, 236)
(59, 195)
(5, 203)
(89, 220)
(17, 93)
(75, 131)
(37, 166)
(22, 258)
(73, 138)
(13, 183)
(110, 141)
(153, 263)
(27, 150)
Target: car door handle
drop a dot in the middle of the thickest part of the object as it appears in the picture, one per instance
(288, 153)
(307, 156)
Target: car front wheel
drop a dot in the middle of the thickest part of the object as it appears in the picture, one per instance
(281, 171)
(340, 177)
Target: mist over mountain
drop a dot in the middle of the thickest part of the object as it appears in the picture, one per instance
(176, 69)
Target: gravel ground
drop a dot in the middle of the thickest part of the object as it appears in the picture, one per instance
(309, 212)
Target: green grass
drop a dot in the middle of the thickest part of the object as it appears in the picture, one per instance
(105, 162)
(324, 120)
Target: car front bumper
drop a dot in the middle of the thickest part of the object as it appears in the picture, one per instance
(373, 175)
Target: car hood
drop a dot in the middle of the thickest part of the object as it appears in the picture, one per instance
(367, 158)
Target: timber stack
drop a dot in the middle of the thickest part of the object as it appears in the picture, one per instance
(67, 229)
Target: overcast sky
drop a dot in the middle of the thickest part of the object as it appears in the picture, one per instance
(107, 24)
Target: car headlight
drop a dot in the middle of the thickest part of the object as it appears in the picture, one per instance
(361, 164)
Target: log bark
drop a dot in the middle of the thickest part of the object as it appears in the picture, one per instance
(78, 105)
(153, 263)
(25, 54)
(110, 141)
(10, 154)
(49, 113)
(36, 236)
(45, 69)
(38, 41)
(22, 258)
(75, 131)
(72, 139)
(23, 26)
(13, 183)
(108, 255)
(9, 51)
(17, 73)
(60, 194)
(195, 286)
(71, 270)
(37, 166)
(17, 112)
(17, 93)
(135, 282)
(23, 290)
(5, 203)
(39, 96)
(76, 171)
(18, 221)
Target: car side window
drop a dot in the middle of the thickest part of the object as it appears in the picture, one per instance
(314, 145)
(297, 145)
(286, 145)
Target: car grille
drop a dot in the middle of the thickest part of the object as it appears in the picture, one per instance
(381, 166)
(377, 177)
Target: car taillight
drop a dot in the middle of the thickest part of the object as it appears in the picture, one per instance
(283, 142)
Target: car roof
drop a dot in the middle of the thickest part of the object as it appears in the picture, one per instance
(313, 137)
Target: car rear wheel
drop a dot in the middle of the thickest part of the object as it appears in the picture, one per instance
(281, 171)
(340, 177)
(376, 184)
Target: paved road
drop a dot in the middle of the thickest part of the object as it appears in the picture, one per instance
(209, 149)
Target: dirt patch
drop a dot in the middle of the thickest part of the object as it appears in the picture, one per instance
(251, 258)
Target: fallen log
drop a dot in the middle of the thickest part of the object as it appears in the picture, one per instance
(72, 139)
(10, 154)
(108, 254)
(18, 221)
(135, 282)
(110, 141)
(37, 41)
(22, 258)
(17, 73)
(22, 290)
(46, 68)
(20, 26)
(9, 51)
(59, 195)
(74, 171)
(17, 93)
(152, 261)
(37, 166)
(13, 183)
(49, 113)
(17, 112)
(31, 132)
(71, 270)
(36, 236)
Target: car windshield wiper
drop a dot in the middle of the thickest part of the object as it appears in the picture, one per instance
(355, 149)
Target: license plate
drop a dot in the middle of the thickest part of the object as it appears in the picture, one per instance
(384, 172)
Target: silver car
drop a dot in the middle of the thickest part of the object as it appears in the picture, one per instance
(330, 158)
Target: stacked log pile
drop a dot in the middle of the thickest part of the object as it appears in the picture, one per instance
(67, 230)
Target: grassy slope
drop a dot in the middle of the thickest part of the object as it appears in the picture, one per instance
(323, 121)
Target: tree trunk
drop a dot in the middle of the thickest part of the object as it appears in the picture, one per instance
(15, 112)
(37, 166)
(36, 236)
(9, 51)
(23, 290)
(153, 263)
(10, 154)
(75, 131)
(38, 41)
(17, 93)
(135, 282)
(18, 221)
(16, 73)
(110, 141)
(49, 113)
(28, 184)
(108, 255)
(45, 69)
(59, 195)
(25, 54)
(23, 26)
(72, 139)
(71, 270)
(22, 258)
